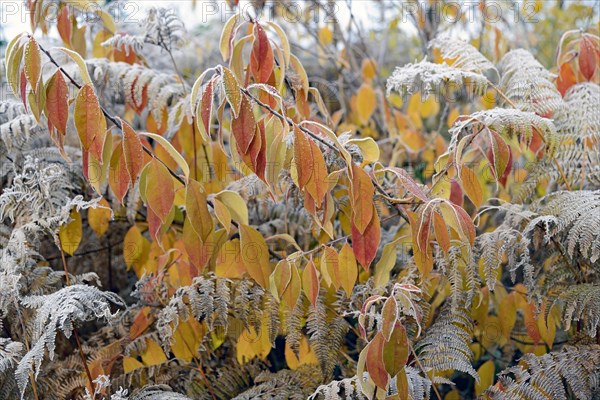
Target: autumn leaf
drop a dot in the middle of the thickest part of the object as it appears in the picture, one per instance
(33, 63)
(70, 233)
(255, 255)
(261, 58)
(88, 117)
(348, 269)
(365, 244)
(362, 190)
(196, 206)
(366, 102)
(243, 126)
(310, 282)
(133, 153)
(57, 102)
(396, 350)
(99, 217)
(374, 361)
(588, 54)
(160, 190)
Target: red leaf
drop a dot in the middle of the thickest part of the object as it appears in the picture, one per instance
(57, 102)
(261, 59)
(132, 152)
(244, 126)
(196, 206)
(160, 190)
(33, 63)
(587, 57)
(364, 245)
(63, 23)
(456, 192)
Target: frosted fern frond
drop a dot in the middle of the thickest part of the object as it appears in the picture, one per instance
(163, 27)
(136, 86)
(440, 79)
(463, 55)
(157, 392)
(580, 117)
(576, 215)
(325, 336)
(573, 372)
(581, 303)
(334, 390)
(509, 123)
(206, 299)
(125, 43)
(528, 84)
(494, 246)
(59, 311)
(10, 353)
(17, 132)
(445, 345)
(11, 109)
(284, 384)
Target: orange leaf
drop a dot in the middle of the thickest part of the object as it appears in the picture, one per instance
(310, 282)
(132, 152)
(280, 278)
(374, 361)
(441, 232)
(389, 316)
(362, 198)
(566, 78)
(88, 117)
(57, 102)
(118, 177)
(261, 59)
(33, 63)
(198, 251)
(471, 186)
(196, 206)
(160, 191)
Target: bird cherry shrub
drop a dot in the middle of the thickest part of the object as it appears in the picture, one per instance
(277, 254)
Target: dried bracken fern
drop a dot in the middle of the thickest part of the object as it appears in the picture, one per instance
(573, 372)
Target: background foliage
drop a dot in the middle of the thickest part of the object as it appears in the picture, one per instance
(290, 201)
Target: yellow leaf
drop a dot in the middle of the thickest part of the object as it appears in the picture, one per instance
(99, 217)
(369, 69)
(235, 204)
(255, 255)
(70, 233)
(130, 364)
(153, 355)
(187, 338)
(395, 99)
(348, 269)
(385, 265)
(250, 344)
(229, 263)
(486, 373)
(366, 101)
(325, 36)
(471, 185)
(452, 116)
(135, 246)
(305, 353)
(368, 148)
